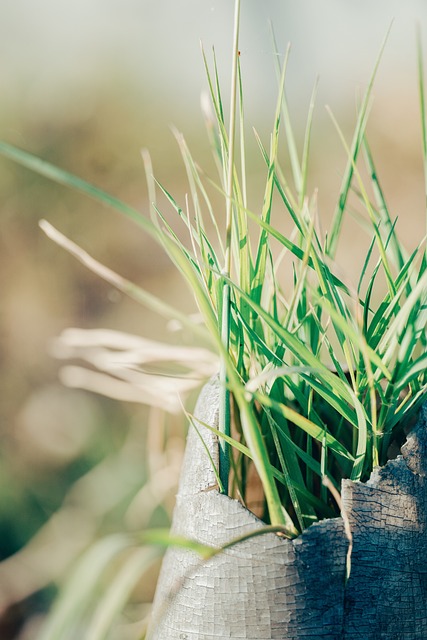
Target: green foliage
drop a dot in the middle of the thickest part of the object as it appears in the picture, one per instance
(323, 381)
(324, 377)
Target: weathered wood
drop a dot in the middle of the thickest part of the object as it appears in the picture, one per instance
(386, 594)
(267, 588)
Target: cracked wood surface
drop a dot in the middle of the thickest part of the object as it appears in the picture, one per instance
(268, 588)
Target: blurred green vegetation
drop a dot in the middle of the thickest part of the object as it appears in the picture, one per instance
(52, 437)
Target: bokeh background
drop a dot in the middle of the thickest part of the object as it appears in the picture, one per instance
(87, 84)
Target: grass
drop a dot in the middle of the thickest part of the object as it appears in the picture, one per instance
(319, 380)
(322, 381)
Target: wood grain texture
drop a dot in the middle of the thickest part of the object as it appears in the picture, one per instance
(386, 595)
(268, 588)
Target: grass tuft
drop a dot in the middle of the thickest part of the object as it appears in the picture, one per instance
(324, 381)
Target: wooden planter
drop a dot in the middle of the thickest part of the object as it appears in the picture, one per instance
(268, 588)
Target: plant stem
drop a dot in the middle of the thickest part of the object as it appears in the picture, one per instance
(224, 418)
(422, 109)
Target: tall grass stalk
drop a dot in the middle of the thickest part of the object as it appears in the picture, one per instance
(224, 416)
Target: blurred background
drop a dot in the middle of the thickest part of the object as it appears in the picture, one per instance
(86, 85)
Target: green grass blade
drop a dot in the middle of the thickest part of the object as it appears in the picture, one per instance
(196, 185)
(282, 190)
(354, 152)
(315, 431)
(355, 336)
(365, 268)
(290, 138)
(389, 307)
(306, 148)
(205, 267)
(224, 405)
(111, 603)
(248, 418)
(307, 459)
(151, 183)
(243, 249)
(415, 369)
(293, 248)
(60, 176)
(263, 246)
(231, 140)
(391, 339)
(362, 440)
(80, 588)
(256, 451)
(299, 349)
(292, 493)
(217, 105)
(242, 138)
(256, 340)
(375, 226)
(208, 453)
(287, 454)
(422, 112)
(255, 441)
(331, 397)
(389, 225)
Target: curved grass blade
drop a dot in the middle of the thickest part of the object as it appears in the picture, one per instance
(289, 473)
(208, 453)
(355, 337)
(362, 440)
(249, 422)
(80, 588)
(278, 475)
(316, 431)
(224, 404)
(300, 350)
(294, 249)
(306, 148)
(390, 341)
(415, 369)
(389, 226)
(380, 244)
(67, 179)
(283, 191)
(290, 138)
(263, 245)
(196, 184)
(353, 155)
(111, 603)
(422, 111)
